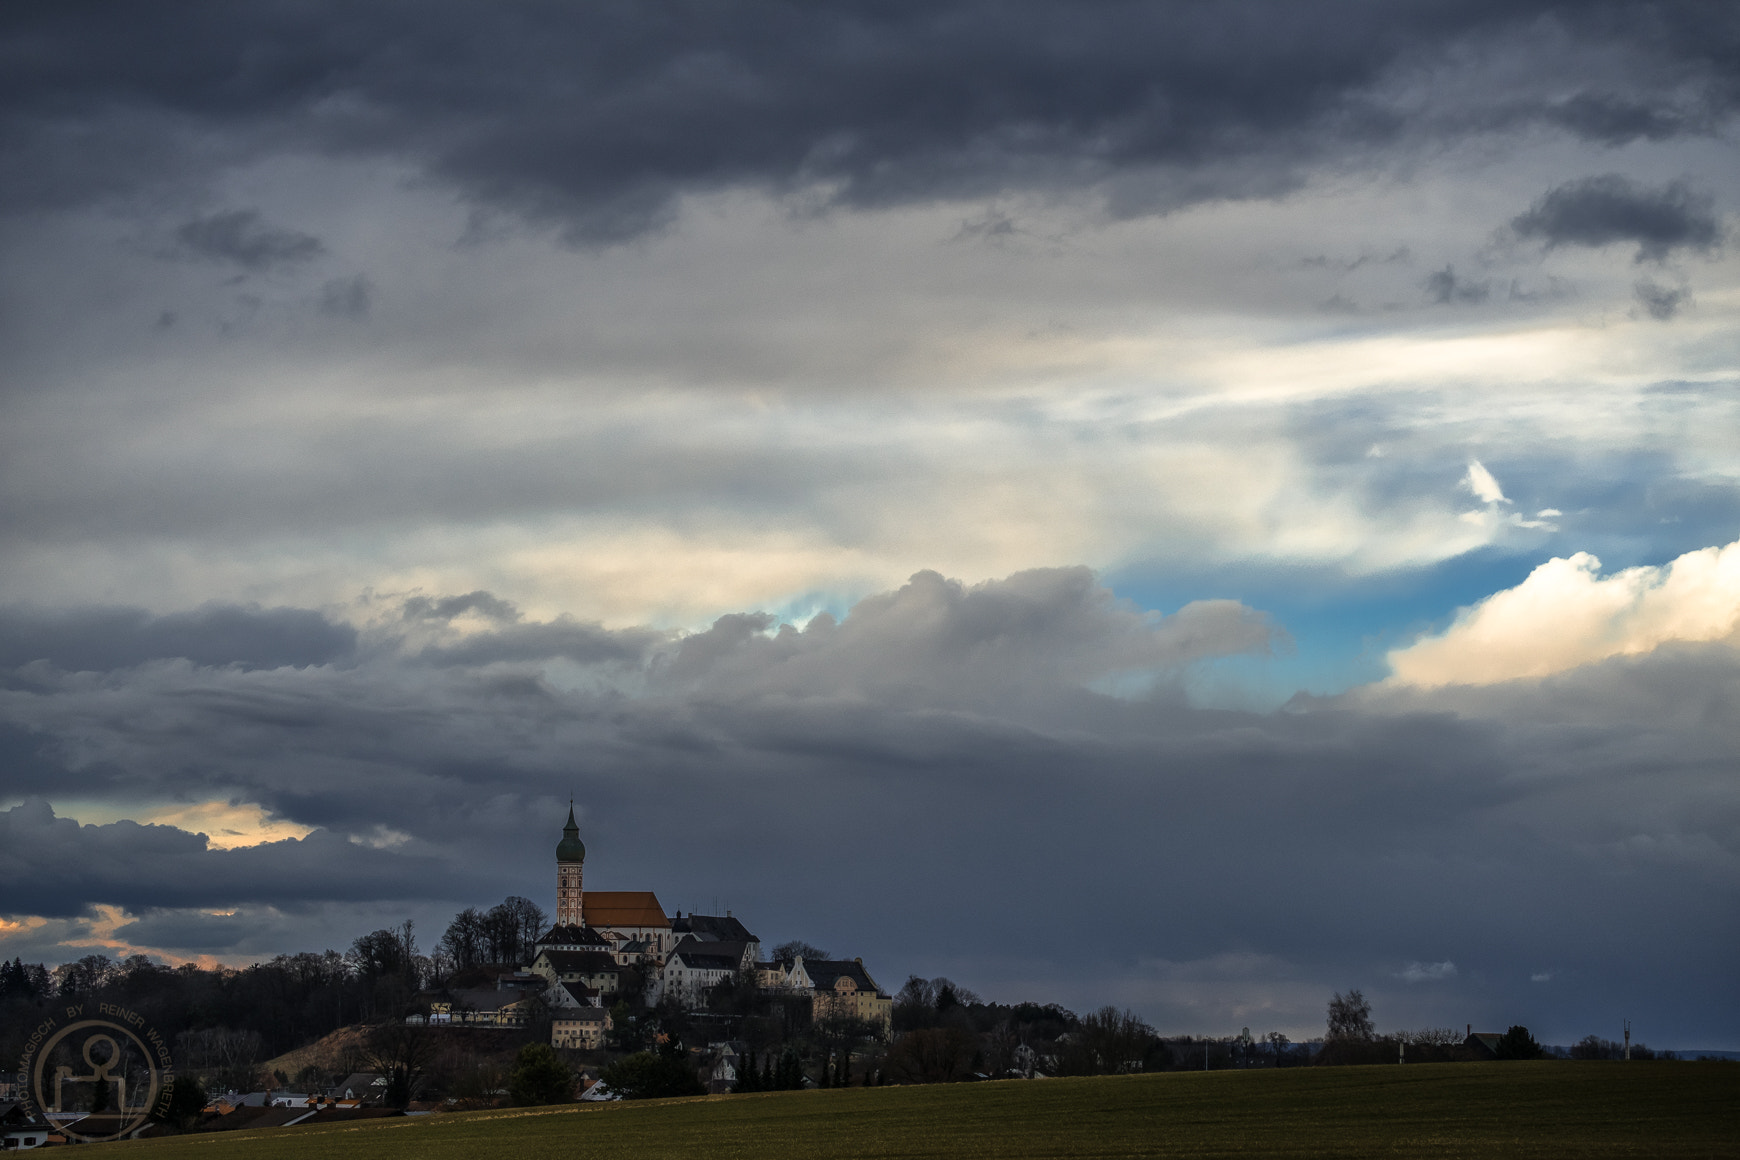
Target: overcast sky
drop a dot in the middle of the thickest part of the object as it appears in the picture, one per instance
(1187, 506)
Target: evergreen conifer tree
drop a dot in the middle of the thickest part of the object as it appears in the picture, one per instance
(747, 1076)
(790, 1076)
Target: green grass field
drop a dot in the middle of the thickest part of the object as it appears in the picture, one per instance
(1678, 1110)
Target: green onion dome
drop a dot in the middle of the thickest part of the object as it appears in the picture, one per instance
(570, 848)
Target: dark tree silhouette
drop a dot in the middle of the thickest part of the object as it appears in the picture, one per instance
(1349, 1017)
(1517, 1043)
(540, 1077)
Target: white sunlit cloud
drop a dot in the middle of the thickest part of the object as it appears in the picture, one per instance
(1480, 481)
(1492, 519)
(1566, 614)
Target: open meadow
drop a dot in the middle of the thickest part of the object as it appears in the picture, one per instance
(1549, 1109)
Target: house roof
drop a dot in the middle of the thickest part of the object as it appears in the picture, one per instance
(580, 962)
(488, 1000)
(580, 1015)
(711, 928)
(709, 956)
(825, 972)
(624, 908)
(564, 996)
(361, 1083)
(567, 934)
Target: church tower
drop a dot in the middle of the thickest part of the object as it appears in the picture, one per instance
(570, 861)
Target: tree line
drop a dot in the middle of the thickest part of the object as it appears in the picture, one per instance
(225, 1021)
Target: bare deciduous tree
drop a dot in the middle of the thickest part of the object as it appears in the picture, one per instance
(1349, 1017)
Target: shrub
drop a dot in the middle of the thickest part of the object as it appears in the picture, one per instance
(540, 1077)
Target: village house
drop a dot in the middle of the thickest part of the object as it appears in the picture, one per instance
(836, 988)
(696, 967)
(594, 971)
(497, 1008)
(714, 928)
(20, 1128)
(579, 1028)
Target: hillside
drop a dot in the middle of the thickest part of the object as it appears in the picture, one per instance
(1450, 1110)
(329, 1053)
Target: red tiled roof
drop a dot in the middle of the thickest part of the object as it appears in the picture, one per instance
(618, 908)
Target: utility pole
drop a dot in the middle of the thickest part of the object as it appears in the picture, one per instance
(1628, 1039)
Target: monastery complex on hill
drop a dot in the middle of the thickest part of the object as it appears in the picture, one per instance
(603, 938)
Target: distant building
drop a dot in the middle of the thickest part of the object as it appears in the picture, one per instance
(1484, 1044)
(599, 934)
(597, 971)
(605, 919)
(20, 1128)
(836, 988)
(721, 1077)
(625, 916)
(696, 967)
(364, 1087)
(579, 1028)
(499, 1008)
(714, 928)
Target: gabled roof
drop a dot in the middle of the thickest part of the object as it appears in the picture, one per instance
(567, 934)
(825, 972)
(14, 1114)
(1486, 1041)
(567, 996)
(711, 928)
(624, 908)
(709, 956)
(361, 1084)
(488, 1000)
(580, 962)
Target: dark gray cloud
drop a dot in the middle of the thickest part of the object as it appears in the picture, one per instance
(563, 637)
(600, 118)
(446, 608)
(1609, 209)
(243, 237)
(1661, 302)
(1613, 119)
(56, 868)
(1445, 288)
(512, 637)
(101, 639)
(936, 770)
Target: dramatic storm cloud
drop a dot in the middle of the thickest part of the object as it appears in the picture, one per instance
(1599, 211)
(1189, 506)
